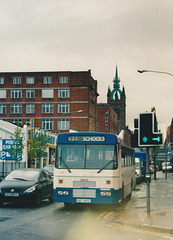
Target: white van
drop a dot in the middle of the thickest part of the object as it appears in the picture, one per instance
(138, 171)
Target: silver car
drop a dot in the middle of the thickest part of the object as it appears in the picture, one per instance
(166, 166)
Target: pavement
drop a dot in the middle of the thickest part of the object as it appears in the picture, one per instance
(160, 216)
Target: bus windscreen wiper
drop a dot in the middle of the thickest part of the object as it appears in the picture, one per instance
(61, 160)
(105, 165)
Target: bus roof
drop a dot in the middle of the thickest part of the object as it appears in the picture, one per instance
(87, 138)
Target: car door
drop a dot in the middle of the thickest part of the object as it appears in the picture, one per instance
(49, 184)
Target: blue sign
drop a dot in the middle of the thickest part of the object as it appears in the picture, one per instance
(33, 161)
(6, 145)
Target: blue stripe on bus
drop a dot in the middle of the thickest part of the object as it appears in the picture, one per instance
(114, 198)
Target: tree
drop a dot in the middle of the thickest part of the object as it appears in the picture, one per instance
(38, 146)
(17, 146)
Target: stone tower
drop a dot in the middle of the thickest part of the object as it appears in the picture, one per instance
(117, 99)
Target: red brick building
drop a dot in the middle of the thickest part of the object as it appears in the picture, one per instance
(59, 101)
(107, 118)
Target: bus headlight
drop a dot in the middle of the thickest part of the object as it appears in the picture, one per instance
(108, 193)
(105, 194)
(102, 193)
(63, 192)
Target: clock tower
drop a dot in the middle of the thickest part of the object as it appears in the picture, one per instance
(117, 100)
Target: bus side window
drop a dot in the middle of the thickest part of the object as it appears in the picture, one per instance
(123, 158)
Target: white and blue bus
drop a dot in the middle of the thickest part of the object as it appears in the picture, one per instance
(92, 168)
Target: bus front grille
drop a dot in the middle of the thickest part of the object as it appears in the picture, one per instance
(91, 193)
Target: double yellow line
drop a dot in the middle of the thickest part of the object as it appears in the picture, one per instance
(104, 214)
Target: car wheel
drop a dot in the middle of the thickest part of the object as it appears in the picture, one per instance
(51, 197)
(38, 200)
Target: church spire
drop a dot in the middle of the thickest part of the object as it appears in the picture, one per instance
(116, 85)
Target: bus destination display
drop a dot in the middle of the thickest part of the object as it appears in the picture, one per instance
(86, 138)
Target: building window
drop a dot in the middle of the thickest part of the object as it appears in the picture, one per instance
(16, 93)
(47, 124)
(28, 121)
(63, 93)
(47, 80)
(30, 93)
(2, 94)
(63, 124)
(30, 108)
(16, 80)
(29, 80)
(1, 80)
(15, 108)
(63, 107)
(47, 93)
(2, 108)
(17, 121)
(47, 108)
(63, 79)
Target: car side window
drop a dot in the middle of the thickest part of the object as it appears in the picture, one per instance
(43, 176)
(48, 176)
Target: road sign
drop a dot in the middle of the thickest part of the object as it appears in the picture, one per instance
(147, 135)
(6, 146)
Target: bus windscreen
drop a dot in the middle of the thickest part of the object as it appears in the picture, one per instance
(74, 156)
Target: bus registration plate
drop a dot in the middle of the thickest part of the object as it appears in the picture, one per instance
(83, 200)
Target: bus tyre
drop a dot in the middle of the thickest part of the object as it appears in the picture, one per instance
(122, 193)
(67, 204)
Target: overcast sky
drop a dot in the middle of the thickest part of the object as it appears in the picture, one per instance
(77, 35)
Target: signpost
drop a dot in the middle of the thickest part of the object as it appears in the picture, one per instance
(148, 137)
(32, 135)
(6, 146)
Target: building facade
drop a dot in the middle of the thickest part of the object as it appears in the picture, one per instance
(59, 101)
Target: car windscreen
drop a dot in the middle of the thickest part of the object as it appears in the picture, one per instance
(23, 175)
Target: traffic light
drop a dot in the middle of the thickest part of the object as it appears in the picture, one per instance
(146, 133)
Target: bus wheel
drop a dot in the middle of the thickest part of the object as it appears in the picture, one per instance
(67, 204)
(130, 195)
(122, 193)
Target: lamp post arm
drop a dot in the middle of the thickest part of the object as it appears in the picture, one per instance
(143, 71)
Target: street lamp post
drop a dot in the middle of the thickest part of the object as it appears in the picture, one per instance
(144, 71)
(148, 187)
(78, 111)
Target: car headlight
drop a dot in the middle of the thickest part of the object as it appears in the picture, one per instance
(31, 189)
